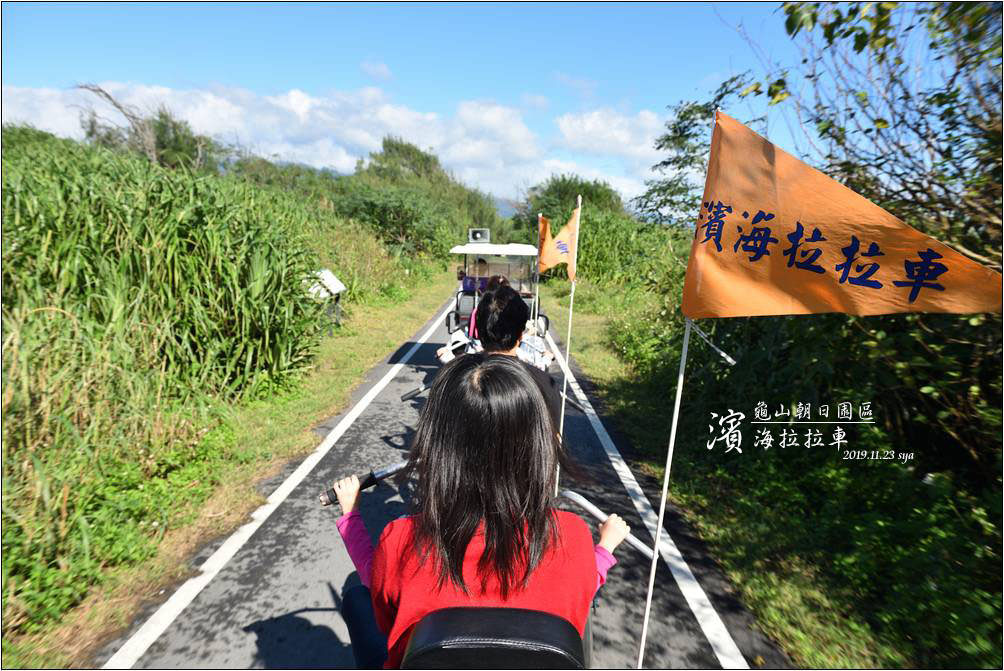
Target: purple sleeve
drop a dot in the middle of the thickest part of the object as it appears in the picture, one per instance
(359, 546)
(604, 561)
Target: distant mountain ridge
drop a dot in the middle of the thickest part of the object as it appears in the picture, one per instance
(504, 207)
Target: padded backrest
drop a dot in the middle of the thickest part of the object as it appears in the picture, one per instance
(493, 638)
(465, 304)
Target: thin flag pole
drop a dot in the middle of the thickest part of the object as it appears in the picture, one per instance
(665, 476)
(568, 337)
(536, 298)
(477, 284)
(665, 490)
(704, 336)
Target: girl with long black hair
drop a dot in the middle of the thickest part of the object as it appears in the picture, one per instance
(485, 529)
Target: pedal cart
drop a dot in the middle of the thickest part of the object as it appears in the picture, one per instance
(518, 263)
(495, 638)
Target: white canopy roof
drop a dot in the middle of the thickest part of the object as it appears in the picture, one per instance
(489, 249)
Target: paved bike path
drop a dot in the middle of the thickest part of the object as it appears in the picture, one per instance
(275, 603)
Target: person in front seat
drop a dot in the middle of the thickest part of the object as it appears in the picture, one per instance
(485, 529)
(502, 317)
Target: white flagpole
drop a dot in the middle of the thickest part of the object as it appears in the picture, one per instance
(665, 489)
(568, 337)
(536, 298)
(669, 463)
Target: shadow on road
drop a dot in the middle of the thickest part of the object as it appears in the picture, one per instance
(425, 353)
(289, 641)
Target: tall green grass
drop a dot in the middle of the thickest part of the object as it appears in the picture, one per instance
(134, 299)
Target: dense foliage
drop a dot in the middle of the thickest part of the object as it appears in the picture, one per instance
(402, 193)
(134, 295)
(613, 246)
(162, 138)
(910, 549)
(903, 104)
(555, 199)
(911, 546)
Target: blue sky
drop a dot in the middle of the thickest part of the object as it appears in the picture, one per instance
(505, 94)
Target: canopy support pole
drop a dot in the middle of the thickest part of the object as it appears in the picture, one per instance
(564, 392)
(665, 490)
(568, 344)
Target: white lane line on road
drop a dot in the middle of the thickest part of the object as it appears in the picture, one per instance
(138, 643)
(711, 624)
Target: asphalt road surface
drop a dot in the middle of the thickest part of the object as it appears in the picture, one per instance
(275, 602)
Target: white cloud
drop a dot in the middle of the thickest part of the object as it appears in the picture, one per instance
(485, 144)
(54, 110)
(628, 186)
(376, 70)
(607, 132)
(501, 127)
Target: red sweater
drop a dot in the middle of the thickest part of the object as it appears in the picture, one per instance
(403, 592)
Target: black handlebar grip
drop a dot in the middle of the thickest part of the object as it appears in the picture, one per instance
(328, 497)
(413, 393)
(368, 481)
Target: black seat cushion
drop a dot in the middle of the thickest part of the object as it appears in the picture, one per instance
(493, 638)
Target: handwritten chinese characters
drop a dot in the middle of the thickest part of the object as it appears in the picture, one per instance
(730, 436)
(795, 425)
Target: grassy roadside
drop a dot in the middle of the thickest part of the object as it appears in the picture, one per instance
(810, 619)
(253, 441)
(630, 404)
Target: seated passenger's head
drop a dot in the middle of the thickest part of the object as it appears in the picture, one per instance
(501, 319)
(485, 452)
(495, 282)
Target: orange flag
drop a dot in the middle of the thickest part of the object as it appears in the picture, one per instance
(562, 247)
(776, 237)
(543, 235)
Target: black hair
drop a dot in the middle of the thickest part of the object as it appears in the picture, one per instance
(496, 281)
(501, 319)
(485, 451)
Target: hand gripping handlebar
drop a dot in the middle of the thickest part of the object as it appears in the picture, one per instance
(328, 497)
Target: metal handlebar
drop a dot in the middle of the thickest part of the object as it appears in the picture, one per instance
(583, 503)
(572, 402)
(329, 497)
(414, 392)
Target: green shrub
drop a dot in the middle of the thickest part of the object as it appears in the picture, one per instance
(914, 549)
(402, 194)
(556, 198)
(137, 301)
(404, 218)
(131, 293)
